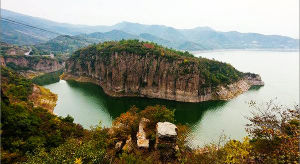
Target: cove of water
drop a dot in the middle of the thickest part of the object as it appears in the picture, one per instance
(88, 104)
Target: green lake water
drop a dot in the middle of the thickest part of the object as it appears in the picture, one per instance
(88, 104)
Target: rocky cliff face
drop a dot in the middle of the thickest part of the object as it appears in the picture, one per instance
(43, 97)
(36, 63)
(158, 76)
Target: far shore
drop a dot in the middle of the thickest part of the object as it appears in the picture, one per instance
(222, 50)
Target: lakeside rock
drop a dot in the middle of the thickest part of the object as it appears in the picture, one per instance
(171, 77)
(43, 97)
(254, 79)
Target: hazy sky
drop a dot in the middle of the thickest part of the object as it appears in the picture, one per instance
(262, 16)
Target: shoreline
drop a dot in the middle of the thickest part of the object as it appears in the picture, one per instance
(223, 93)
(226, 50)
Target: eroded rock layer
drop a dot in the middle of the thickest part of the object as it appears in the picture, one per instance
(157, 73)
(33, 63)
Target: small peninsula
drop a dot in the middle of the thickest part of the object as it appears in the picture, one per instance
(133, 68)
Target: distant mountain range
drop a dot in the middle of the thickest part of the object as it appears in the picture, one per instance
(76, 36)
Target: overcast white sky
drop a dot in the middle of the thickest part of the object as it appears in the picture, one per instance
(261, 16)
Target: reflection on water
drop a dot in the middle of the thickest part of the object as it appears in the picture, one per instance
(185, 113)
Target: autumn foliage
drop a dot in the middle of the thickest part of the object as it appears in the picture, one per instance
(275, 133)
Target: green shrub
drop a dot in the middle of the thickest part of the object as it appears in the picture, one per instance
(71, 151)
(48, 78)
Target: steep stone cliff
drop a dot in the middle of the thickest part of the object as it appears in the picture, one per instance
(133, 68)
(33, 63)
(43, 97)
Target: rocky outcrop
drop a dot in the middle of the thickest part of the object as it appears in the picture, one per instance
(33, 63)
(254, 79)
(118, 146)
(166, 130)
(157, 73)
(165, 139)
(142, 141)
(128, 147)
(43, 97)
(166, 134)
(132, 75)
(2, 61)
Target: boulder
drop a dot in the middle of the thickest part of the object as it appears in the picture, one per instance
(128, 147)
(166, 130)
(142, 141)
(118, 146)
(166, 134)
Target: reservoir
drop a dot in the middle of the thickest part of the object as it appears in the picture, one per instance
(89, 105)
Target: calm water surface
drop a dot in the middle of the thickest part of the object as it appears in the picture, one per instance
(88, 104)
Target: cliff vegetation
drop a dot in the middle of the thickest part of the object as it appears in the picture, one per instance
(48, 78)
(26, 121)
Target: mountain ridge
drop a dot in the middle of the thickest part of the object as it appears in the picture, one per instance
(198, 38)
